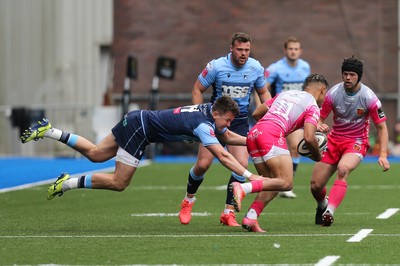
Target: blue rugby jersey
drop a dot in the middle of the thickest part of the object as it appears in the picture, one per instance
(284, 77)
(191, 123)
(236, 82)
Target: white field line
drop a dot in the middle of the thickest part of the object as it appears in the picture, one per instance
(187, 236)
(388, 213)
(363, 233)
(177, 236)
(327, 261)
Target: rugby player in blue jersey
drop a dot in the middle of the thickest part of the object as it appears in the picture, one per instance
(127, 141)
(235, 75)
(289, 73)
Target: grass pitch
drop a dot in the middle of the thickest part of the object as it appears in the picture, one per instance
(140, 225)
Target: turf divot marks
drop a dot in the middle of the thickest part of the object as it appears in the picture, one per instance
(388, 213)
(363, 233)
(328, 260)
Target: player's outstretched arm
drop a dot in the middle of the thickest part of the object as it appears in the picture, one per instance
(232, 138)
(227, 160)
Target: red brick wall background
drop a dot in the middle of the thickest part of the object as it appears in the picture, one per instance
(194, 32)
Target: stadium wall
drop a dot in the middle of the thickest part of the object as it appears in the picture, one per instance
(194, 32)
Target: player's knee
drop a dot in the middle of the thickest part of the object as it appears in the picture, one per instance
(95, 159)
(315, 186)
(120, 184)
(201, 168)
(94, 156)
(342, 171)
(98, 156)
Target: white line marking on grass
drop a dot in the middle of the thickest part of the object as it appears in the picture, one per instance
(239, 234)
(328, 260)
(388, 213)
(363, 233)
(177, 236)
(168, 214)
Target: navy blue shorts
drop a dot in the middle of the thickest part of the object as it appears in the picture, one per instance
(129, 134)
(240, 125)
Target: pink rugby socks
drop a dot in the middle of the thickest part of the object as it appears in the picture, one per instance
(256, 186)
(336, 195)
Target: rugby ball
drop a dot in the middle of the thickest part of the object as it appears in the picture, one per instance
(322, 142)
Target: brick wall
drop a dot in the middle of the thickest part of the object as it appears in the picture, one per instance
(195, 32)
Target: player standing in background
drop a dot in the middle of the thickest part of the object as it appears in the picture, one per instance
(266, 143)
(236, 75)
(352, 104)
(127, 141)
(288, 74)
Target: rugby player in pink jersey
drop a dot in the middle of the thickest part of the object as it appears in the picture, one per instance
(352, 104)
(266, 144)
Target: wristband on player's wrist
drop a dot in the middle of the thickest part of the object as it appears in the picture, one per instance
(247, 174)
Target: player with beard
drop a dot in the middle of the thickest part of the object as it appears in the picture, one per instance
(235, 75)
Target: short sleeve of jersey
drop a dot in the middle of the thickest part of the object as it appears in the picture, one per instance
(312, 115)
(326, 107)
(207, 76)
(206, 134)
(377, 114)
(261, 77)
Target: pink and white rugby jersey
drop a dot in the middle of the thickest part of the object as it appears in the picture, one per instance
(351, 114)
(291, 109)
